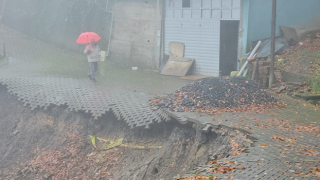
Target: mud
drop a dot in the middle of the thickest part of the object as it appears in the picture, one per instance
(164, 150)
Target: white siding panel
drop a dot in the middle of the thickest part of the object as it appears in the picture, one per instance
(198, 27)
(172, 32)
(195, 3)
(209, 51)
(216, 14)
(226, 14)
(226, 3)
(169, 13)
(186, 13)
(216, 3)
(169, 3)
(196, 13)
(235, 13)
(236, 3)
(206, 3)
(177, 13)
(177, 3)
(206, 13)
(201, 39)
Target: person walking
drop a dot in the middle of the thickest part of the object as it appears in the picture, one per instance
(93, 53)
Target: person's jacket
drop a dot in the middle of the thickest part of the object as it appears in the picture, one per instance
(93, 53)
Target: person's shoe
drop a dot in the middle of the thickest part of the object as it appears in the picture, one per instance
(90, 77)
(94, 80)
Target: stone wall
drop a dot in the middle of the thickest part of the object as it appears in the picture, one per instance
(59, 22)
(134, 41)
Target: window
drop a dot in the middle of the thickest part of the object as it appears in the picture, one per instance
(185, 3)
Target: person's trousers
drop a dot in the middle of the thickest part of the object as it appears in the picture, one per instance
(93, 68)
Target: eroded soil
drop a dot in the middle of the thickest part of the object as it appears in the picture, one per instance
(55, 144)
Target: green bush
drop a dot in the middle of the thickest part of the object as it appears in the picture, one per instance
(315, 86)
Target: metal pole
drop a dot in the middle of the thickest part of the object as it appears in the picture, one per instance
(251, 55)
(4, 50)
(255, 69)
(162, 34)
(110, 35)
(111, 26)
(273, 36)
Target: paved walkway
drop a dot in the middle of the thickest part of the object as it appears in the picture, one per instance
(41, 75)
(298, 125)
(286, 141)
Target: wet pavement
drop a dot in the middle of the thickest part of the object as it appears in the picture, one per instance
(41, 75)
(286, 141)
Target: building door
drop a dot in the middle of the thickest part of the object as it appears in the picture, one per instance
(228, 46)
(196, 23)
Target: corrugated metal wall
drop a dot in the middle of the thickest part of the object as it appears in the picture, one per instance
(198, 27)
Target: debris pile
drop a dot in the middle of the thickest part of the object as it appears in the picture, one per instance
(299, 58)
(298, 90)
(291, 87)
(218, 94)
(311, 44)
(75, 161)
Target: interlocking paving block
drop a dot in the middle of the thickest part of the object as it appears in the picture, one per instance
(80, 95)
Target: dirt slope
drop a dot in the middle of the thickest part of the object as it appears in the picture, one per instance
(54, 144)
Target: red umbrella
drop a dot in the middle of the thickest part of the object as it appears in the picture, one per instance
(86, 37)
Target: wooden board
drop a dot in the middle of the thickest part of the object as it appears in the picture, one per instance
(177, 66)
(176, 49)
(277, 74)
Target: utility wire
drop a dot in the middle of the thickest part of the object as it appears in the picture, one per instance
(281, 6)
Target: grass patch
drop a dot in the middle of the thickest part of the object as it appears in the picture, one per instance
(315, 86)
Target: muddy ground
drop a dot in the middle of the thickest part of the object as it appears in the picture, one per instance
(55, 144)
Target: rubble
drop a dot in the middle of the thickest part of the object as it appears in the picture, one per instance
(281, 88)
(292, 60)
(213, 93)
(47, 176)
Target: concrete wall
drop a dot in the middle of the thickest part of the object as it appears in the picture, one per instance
(257, 17)
(59, 22)
(134, 41)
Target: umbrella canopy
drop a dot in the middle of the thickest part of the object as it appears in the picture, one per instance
(86, 37)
